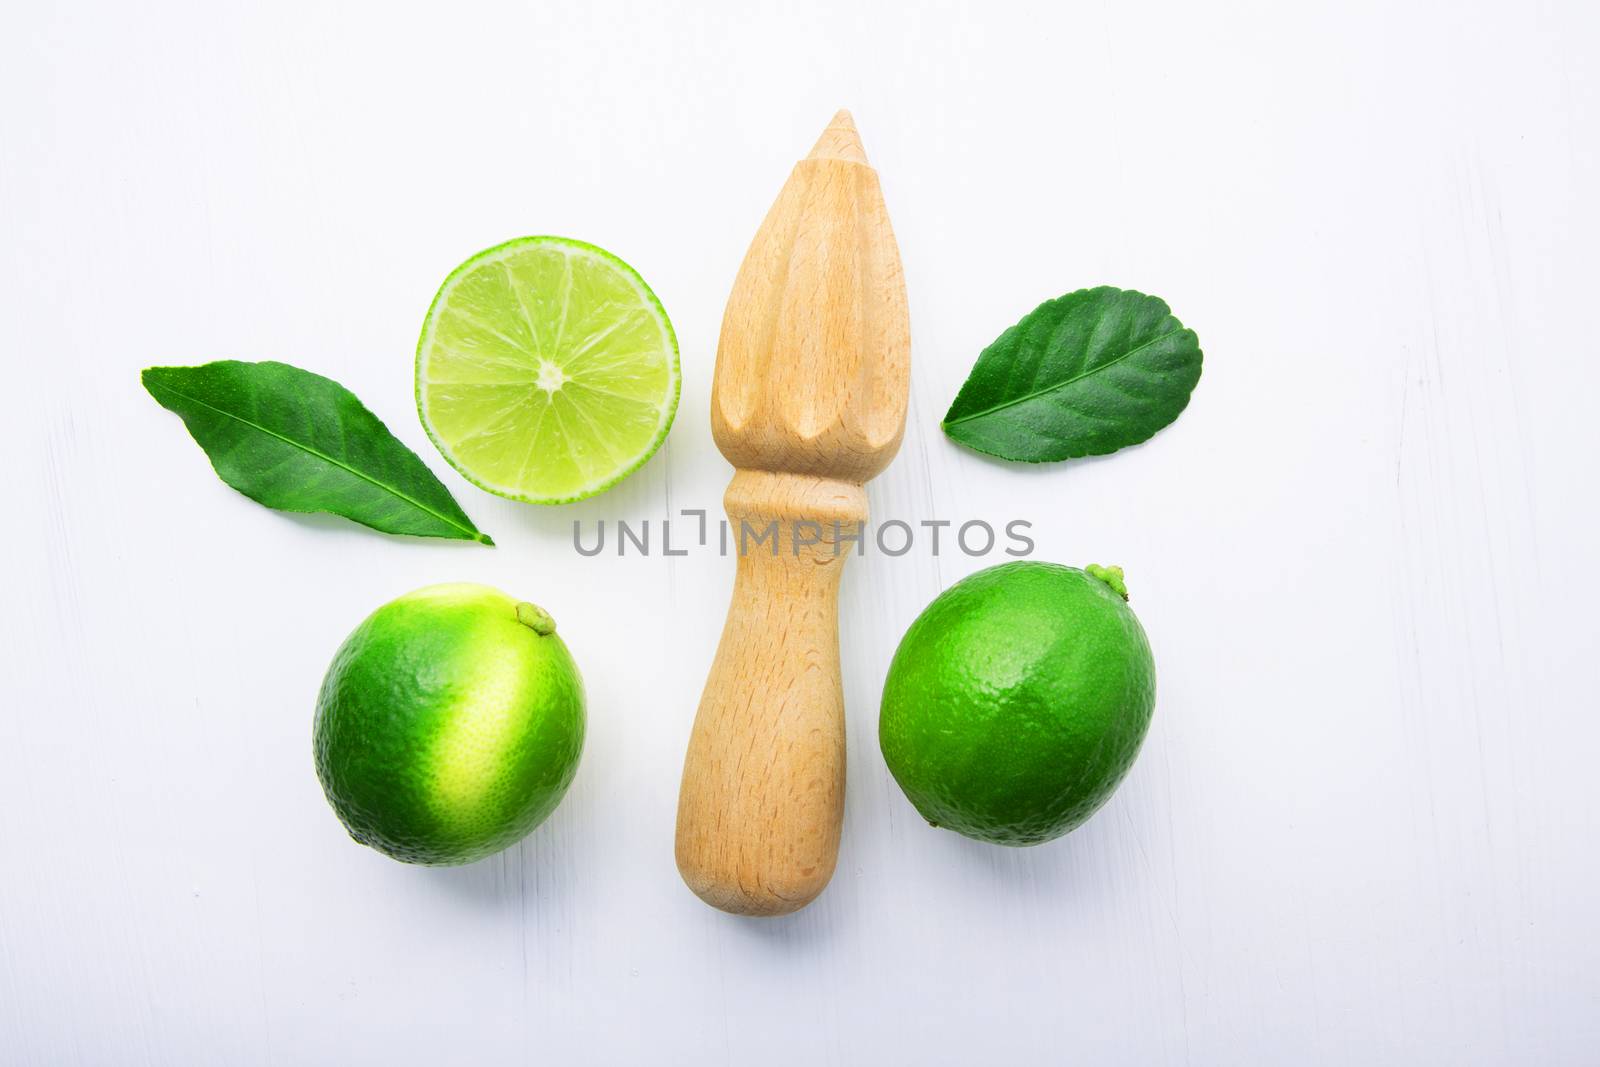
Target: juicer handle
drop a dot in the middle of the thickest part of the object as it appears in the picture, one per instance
(762, 800)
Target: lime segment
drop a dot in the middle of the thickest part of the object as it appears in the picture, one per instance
(547, 370)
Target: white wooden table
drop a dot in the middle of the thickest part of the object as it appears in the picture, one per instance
(1363, 828)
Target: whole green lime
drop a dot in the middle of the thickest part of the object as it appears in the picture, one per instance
(449, 724)
(1018, 700)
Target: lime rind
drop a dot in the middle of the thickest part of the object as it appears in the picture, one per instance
(531, 341)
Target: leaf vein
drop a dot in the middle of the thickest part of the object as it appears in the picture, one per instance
(1057, 386)
(330, 460)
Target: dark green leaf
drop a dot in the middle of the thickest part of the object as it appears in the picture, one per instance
(1082, 375)
(297, 441)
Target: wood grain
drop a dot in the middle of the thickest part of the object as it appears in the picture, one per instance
(808, 403)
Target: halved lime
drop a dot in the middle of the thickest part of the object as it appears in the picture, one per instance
(547, 370)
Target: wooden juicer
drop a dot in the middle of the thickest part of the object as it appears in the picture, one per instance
(808, 403)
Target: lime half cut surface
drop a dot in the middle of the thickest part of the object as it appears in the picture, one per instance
(547, 370)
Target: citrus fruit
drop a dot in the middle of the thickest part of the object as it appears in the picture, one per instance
(547, 370)
(449, 724)
(1017, 701)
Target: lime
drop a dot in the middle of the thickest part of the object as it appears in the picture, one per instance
(547, 370)
(1018, 700)
(449, 724)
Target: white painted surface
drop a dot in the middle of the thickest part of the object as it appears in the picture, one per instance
(1363, 828)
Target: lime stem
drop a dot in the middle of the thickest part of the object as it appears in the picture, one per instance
(536, 619)
(1112, 576)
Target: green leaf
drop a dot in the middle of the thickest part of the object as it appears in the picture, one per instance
(1081, 375)
(297, 441)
